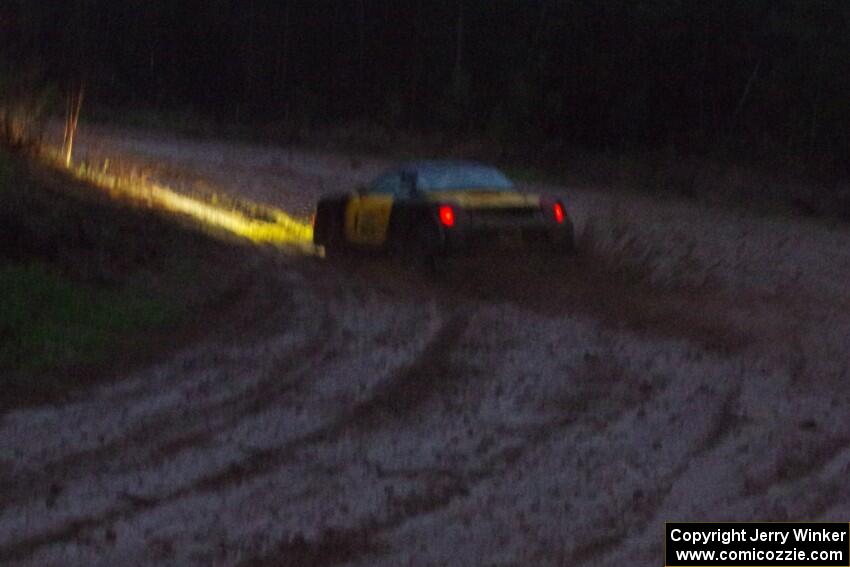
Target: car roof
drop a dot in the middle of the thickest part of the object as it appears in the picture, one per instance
(445, 174)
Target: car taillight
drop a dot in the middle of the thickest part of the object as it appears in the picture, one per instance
(558, 212)
(447, 215)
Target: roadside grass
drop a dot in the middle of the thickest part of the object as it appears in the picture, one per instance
(88, 285)
(48, 320)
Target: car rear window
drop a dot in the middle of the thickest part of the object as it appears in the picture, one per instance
(462, 177)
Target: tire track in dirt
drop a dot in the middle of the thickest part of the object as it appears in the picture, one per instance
(332, 547)
(723, 425)
(831, 490)
(359, 415)
(620, 301)
(163, 433)
(444, 486)
(411, 386)
(364, 540)
(396, 398)
(792, 468)
(153, 437)
(453, 484)
(257, 463)
(293, 368)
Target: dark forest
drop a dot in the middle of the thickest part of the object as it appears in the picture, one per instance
(761, 80)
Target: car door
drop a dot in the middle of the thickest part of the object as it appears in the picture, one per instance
(367, 215)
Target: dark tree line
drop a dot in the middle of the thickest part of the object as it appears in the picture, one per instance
(751, 77)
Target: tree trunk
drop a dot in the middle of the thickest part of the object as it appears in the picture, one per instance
(72, 117)
(816, 103)
(459, 41)
(745, 95)
(361, 47)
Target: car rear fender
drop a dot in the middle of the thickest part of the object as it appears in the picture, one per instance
(413, 224)
(330, 218)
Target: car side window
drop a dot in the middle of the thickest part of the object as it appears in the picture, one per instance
(398, 184)
(387, 185)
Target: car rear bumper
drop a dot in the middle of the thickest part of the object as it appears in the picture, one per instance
(480, 239)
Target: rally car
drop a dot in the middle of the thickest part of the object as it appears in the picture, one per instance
(435, 208)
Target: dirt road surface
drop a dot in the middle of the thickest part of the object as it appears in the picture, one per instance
(690, 365)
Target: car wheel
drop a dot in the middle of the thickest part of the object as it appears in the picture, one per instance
(425, 252)
(335, 244)
(566, 243)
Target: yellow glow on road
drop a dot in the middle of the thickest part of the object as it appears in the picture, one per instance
(283, 229)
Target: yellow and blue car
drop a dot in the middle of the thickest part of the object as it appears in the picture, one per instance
(436, 208)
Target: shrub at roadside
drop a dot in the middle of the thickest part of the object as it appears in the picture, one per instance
(85, 280)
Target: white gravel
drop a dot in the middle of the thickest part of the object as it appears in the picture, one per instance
(386, 422)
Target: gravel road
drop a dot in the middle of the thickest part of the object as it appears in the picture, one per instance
(690, 365)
